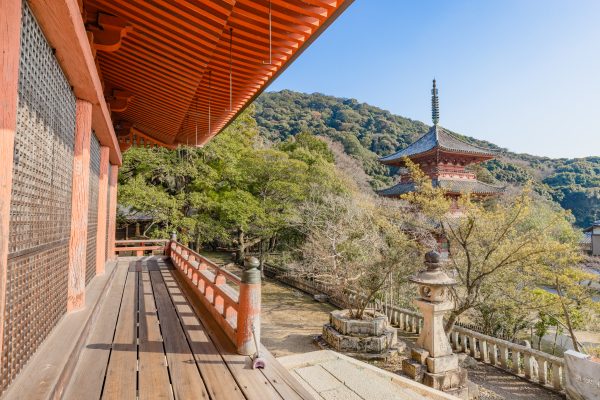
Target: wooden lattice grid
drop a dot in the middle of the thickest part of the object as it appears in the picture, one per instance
(90, 265)
(40, 212)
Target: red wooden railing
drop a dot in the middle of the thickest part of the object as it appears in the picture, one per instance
(233, 301)
(236, 311)
(141, 246)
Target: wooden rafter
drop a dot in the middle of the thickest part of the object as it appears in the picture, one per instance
(164, 59)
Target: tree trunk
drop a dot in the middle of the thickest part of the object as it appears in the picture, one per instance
(241, 248)
(262, 255)
(567, 316)
(555, 337)
(451, 321)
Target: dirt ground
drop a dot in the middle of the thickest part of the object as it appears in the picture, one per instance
(290, 319)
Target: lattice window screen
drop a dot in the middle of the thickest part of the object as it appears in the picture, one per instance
(90, 267)
(40, 213)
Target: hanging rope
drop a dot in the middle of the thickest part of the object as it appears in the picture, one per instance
(209, 99)
(270, 39)
(230, 71)
(196, 119)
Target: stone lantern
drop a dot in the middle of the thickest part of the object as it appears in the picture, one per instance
(433, 362)
(434, 303)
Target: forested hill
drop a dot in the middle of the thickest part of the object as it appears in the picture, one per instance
(368, 132)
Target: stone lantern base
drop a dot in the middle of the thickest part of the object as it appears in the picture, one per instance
(441, 373)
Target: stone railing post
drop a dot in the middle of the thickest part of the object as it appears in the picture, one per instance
(483, 351)
(455, 341)
(504, 356)
(493, 354)
(516, 355)
(528, 365)
(542, 370)
(473, 346)
(248, 316)
(556, 376)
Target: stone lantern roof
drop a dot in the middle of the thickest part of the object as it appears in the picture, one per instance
(433, 275)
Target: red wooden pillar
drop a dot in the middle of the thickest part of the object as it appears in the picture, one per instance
(112, 210)
(10, 31)
(102, 210)
(79, 206)
(248, 314)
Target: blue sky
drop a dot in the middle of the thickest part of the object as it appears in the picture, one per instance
(524, 74)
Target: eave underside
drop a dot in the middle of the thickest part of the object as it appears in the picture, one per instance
(174, 59)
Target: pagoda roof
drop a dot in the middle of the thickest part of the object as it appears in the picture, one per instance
(440, 138)
(459, 186)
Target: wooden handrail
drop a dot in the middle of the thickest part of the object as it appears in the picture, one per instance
(136, 241)
(235, 308)
(145, 245)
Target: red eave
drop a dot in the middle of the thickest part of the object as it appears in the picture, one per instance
(174, 59)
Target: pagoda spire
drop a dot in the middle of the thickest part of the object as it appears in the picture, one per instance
(435, 105)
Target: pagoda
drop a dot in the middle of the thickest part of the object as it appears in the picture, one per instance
(444, 157)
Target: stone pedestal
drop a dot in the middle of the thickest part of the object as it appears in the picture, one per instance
(371, 338)
(432, 337)
(433, 362)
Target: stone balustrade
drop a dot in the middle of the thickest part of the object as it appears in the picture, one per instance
(533, 365)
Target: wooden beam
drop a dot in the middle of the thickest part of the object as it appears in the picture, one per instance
(102, 210)
(112, 210)
(10, 39)
(79, 206)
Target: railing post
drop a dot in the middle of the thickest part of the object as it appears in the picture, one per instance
(528, 365)
(455, 340)
(516, 368)
(248, 316)
(483, 351)
(542, 370)
(473, 346)
(493, 354)
(556, 376)
(504, 356)
(463, 337)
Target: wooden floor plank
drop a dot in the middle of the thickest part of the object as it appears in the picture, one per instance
(88, 378)
(282, 380)
(253, 383)
(185, 377)
(122, 368)
(218, 378)
(153, 374)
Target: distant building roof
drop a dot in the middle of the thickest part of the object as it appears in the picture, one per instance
(131, 214)
(589, 229)
(586, 239)
(437, 137)
(449, 186)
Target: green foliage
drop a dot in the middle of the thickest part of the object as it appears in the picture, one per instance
(368, 132)
(235, 191)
